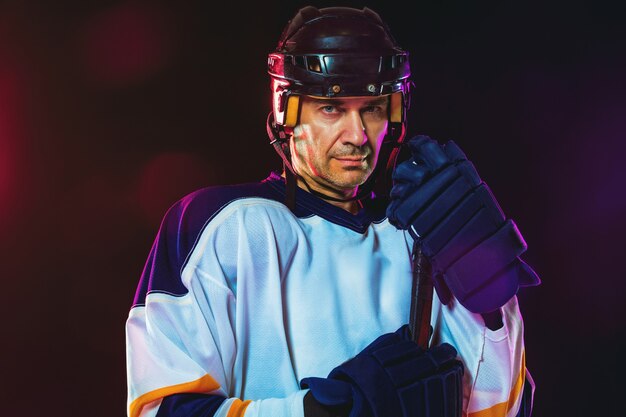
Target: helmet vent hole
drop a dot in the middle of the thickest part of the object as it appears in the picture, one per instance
(299, 61)
(314, 63)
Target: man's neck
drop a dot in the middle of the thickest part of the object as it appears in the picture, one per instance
(351, 206)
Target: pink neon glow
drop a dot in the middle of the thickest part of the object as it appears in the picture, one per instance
(9, 135)
(277, 86)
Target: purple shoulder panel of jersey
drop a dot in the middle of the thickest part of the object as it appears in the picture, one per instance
(180, 228)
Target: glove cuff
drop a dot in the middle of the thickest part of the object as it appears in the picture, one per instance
(328, 392)
(314, 408)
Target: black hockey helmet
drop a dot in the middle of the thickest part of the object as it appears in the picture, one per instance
(336, 52)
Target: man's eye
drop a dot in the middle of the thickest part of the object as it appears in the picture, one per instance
(372, 109)
(329, 109)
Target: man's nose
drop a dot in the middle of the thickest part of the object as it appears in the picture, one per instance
(354, 129)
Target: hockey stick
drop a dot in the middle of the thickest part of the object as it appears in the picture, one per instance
(421, 297)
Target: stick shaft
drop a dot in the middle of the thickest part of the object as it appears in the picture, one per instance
(421, 298)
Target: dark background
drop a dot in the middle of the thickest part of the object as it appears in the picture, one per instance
(110, 111)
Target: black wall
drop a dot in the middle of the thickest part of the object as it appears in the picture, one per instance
(110, 111)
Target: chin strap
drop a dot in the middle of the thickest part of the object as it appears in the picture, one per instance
(280, 142)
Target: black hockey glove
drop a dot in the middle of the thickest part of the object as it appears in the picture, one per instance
(474, 250)
(392, 376)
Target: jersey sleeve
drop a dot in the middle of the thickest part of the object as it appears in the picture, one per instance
(494, 360)
(180, 332)
(173, 345)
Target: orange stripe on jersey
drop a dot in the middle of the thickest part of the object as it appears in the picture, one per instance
(238, 408)
(500, 409)
(202, 385)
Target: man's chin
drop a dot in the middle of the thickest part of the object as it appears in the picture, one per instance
(349, 182)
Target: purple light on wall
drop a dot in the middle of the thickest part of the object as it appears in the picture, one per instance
(600, 171)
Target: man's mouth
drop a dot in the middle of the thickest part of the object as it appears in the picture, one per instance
(351, 162)
(356, 158)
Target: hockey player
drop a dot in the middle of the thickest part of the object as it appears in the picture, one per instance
(290, 297)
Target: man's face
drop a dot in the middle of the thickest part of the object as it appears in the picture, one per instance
(336, 145)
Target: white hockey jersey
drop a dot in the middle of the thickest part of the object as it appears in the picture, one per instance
(242, 298)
